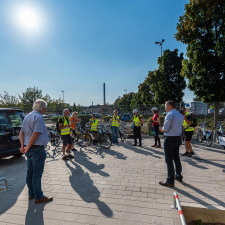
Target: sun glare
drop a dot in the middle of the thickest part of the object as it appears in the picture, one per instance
(28, 19)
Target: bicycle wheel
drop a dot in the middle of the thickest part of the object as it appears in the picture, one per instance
(125, 133)
(105, 141)
(209, 140)
(84, 139)
(57, 140)
(199, 135)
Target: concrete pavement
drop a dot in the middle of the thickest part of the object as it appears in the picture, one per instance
(114, 186)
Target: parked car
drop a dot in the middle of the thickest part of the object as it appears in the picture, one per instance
(126, 117)
(10, 124)
(210, 111)
(97, 115)
(221, 111)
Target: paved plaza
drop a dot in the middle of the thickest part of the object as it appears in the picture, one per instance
(117, 186)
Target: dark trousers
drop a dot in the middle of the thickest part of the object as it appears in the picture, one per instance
(35, 167)
(171, 151)
(156, 127)
(137, 134)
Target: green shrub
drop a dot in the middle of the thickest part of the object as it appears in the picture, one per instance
(85, 118)
(55, 118)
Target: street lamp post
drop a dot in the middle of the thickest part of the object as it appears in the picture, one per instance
(160, 43)
(125, 90)
(63, 95)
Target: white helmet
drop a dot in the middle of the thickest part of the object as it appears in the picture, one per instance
(154, 109)
(135, 111)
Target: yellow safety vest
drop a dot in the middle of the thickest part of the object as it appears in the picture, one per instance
(137, 120)
(187, 127)
(115, 123)
(94, 125)
(65, 131)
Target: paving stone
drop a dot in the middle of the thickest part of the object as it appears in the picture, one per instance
(114, 186)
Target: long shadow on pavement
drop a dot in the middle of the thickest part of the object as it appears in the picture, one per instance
(16, 177)
(34, 213)
(199, 200)
(83, 185)
(101, 152)
(82, 158)
(143, 150)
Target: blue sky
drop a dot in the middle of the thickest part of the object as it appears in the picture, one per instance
(77, 45)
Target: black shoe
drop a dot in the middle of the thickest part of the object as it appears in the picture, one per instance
(140, 145)
(190, 154)
(178, 179)
(70, 156)
(73, 149)
(185, 154)
(134, 144)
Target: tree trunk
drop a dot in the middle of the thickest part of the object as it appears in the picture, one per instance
(216, 113)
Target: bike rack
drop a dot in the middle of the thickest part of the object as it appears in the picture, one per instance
(6, 183)
(176, 205)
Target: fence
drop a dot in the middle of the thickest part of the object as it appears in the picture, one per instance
(198, 108)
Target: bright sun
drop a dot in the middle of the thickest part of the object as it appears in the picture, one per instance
(28, 19)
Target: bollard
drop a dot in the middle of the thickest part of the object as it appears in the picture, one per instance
(6, 183)
(176, 205)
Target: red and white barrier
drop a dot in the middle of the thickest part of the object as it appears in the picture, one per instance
(176, 205)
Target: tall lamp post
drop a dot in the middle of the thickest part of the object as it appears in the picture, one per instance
(63, 95)
(160, 43)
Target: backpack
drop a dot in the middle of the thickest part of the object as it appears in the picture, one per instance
(57, 125)
(194, 122)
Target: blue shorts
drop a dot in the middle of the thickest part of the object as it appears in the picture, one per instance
(67, 139)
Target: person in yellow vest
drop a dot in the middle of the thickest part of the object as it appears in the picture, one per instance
(94, 127)
(64, 126)
(115, 123)
(137, 123)
(188, 132)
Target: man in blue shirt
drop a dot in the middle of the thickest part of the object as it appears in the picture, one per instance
(172, 129)
(33, 139)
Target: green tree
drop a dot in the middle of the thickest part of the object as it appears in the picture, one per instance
(80, 108)
(115, 105)
(146, 95)
(166, 82)
(74, 107)
(125, 101)
(136, 101)
(202, 28)
(29, 97)
(7, 100)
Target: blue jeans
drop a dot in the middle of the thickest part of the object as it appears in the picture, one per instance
(115, 134)
(35, 167)
(171, 151)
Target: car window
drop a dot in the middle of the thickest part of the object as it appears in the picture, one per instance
(12, 119)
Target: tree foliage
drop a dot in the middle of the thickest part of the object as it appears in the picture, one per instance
(202, 28)
(125, 101)
(7, 100)
(166, 82)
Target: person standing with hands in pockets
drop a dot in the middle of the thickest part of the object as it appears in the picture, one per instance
(172, 129)
(115, 120)
(33, 139)
(137, 123)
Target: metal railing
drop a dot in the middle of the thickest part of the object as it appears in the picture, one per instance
(176, 205)
(6, 183)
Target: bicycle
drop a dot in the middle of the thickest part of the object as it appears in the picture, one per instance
(123, 132)
(219, 136)
(101, 137)
(205, 135)
(80, 136)
(54, 137)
